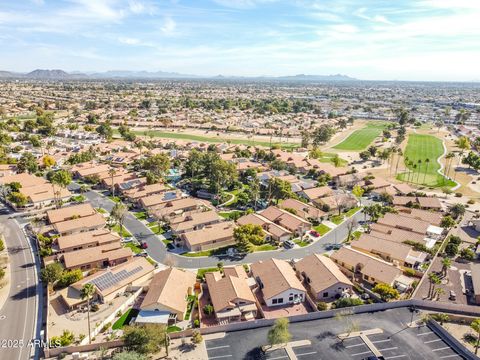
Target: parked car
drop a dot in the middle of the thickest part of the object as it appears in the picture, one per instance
(127, 240)
(314, 233)
(288, 244)
(144, 245)
(142, 254)
(452, 296)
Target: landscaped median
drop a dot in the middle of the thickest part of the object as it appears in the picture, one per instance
(224, 250)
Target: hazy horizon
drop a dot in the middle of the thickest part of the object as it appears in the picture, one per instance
(415, 40)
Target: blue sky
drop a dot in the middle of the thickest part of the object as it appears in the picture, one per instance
(372, 39)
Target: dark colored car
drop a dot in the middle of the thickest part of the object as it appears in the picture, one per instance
(314, 233)
(144, 245)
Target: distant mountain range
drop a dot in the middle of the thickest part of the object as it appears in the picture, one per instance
(57, 74)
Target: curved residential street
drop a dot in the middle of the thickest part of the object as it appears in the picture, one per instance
(158, 251)
(20, 317)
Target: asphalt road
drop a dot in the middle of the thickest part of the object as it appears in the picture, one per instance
(396, 341)
(20, 317)
(158, 251)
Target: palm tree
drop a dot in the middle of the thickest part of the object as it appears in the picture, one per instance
(393, 151)
(86, 293)
(449, 158)
(434, 280)
(112, 173)
(475, 325)
(427, 162)
(399, 155)
(438, 293)
(446, 264)
(413, 171)
(419, 162)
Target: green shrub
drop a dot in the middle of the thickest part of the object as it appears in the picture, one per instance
(106, 327)
(347, 302)
(322, 306)
(208, 309)
(467, 254)
(409, 272)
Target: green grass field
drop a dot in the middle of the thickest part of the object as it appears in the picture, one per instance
(211, 139)
(361, 138)
(322, 229)
(422, 147)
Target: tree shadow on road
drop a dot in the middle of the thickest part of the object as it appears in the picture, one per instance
(255, 354)
(15, 250)
(25, 293)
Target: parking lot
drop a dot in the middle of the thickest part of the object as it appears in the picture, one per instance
(395, 342)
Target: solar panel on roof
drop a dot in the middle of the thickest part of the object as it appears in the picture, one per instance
(110, 279)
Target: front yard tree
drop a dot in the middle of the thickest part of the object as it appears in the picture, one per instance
(386, 292)
(61, 178)
(447, 222)
(51, 273)
(358, 192)
(279, 333)
(248, 234)
(456, 211)
(119, 212)
(27, 163)
(18, 199)
(279, 189)
(48, 161)
(158, 164)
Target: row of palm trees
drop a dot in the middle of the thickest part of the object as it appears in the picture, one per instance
(413, 168)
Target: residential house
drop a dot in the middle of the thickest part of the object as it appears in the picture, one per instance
(109, 283)
(70, 212)
(96, 257)
(194, 221)
(360, 266)
(337, 202)
(295, 224)
(88, 169)
(136, 193)
(315, 193)
(209, 237)
(272, 231)
(159, 199)
(322, 277)
(174, 208)
(230, 294)
(432, 217)
(85, 240)
(410, 224)
(81, 224)
(305, 211)
(391, 251)
(475, 274)
(393, 234)
(168, 293)
(278, 283)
